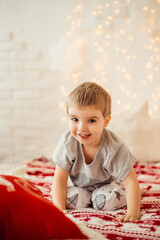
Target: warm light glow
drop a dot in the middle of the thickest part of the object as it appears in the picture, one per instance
(131, 38)
(145, 8)
(118, 102)
(116, 11)
(116, 47)
(110, 18)
(107, 4)
(63, 119)
(61, 105)
(69, 17)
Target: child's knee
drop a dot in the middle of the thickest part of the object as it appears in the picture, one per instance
(77, 198)
(108, 199)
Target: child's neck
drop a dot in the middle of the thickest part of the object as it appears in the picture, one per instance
(89, 153)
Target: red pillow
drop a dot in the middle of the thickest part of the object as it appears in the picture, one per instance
(25, 214)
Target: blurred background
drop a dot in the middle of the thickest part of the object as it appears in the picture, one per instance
(48, 47)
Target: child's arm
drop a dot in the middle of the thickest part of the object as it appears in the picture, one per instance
(133, 196)
(59, 188)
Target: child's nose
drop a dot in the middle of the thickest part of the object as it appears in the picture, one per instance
(82, 126)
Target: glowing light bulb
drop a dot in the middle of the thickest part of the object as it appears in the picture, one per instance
(134, 95)
(110, 18)
(123, 50)
(64, 93)
(116, 11)
(72, 22)
(122, 87)
(128, 76)
(131, 38)
(128, 92)
(100, 49)
(68, 34)
(134, 56)
(65, 56)
(99, 10)
(107, 36)
(145, 8)
(63, 119)
(69, 17)
(118, 67)
(107, 23)
(100, 26)
(127, 106)
(123, 70)
(118, 101)
(62, 87)
(79, 22)
(107, 44)
(122, 31)
(148, 65)
(155, 107)
(61, 105)
(96, 44)
(117, 48)
(144, 82)
(150, 76)
(78, 8)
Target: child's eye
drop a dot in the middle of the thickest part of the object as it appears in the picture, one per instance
(92, 121)
(74, 119)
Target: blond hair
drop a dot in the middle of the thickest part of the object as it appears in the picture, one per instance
(90, 94)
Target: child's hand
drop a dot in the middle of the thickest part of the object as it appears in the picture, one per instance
(126, 218)
(66, 212)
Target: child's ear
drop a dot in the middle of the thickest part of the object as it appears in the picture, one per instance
(107, 120)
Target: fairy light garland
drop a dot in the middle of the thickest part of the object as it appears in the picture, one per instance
(109, 43)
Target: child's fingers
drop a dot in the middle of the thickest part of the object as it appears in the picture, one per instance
(143, 191)
(121, 218)
(125, 218)
(66, 212)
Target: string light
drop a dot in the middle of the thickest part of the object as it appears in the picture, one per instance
(105, 39)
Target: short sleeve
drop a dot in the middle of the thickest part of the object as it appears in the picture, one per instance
(60, 156)
(121, 163)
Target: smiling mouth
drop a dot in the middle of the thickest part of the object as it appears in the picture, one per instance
(84, 135)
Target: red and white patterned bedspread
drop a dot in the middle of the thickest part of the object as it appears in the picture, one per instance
(40, 172)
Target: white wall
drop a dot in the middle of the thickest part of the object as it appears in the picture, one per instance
(47, 47)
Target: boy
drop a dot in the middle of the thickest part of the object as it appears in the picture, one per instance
(98, 163)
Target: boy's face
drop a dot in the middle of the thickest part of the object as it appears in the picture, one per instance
(86, 124)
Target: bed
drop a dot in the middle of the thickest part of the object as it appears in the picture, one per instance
(101, 224)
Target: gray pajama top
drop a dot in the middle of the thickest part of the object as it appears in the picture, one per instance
(113, 160)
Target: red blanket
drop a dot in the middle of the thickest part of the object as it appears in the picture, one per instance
(40, 172)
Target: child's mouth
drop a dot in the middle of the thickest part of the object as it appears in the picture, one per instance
(84, 136)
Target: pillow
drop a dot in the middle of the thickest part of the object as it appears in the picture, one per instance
(25, 214)
(140, 133)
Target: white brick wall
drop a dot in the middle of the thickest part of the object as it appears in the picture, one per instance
(28, 94)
